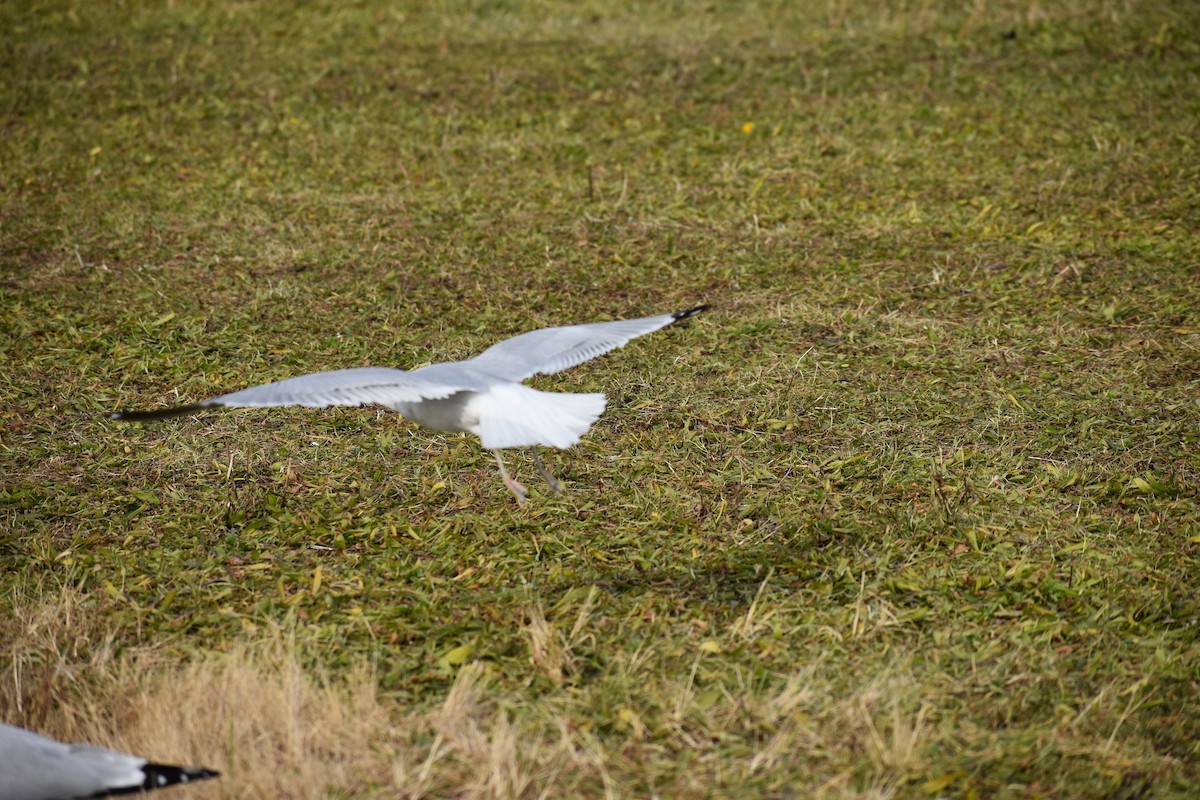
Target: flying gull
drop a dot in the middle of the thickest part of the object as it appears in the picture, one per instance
(484, 395)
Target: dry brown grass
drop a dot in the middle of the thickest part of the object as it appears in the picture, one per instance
(277, 727)
(273, 726)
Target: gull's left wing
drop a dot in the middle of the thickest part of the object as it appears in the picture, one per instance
(551, 350)
(340, 387)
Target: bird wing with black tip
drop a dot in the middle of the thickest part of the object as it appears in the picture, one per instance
(36, 767)
(551, 350)
(340, 387)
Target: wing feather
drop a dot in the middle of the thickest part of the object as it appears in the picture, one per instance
(551, 350)
(342, 387)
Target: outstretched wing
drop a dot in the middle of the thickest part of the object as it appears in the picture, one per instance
(552, 350)
(341, 387)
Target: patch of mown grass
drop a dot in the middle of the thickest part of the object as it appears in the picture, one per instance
(911, 512)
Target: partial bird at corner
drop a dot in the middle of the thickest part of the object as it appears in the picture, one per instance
(35, 767)
(484, 395)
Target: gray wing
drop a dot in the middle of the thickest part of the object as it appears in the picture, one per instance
(34, 767)
(342, 387)
(552, 350)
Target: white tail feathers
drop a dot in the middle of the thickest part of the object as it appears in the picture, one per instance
(512, 415)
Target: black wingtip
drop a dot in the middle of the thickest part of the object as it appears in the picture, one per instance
(160, 775)
(691, 312)
(160, 413)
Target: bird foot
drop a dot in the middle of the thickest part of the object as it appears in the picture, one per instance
(519, 491)
(552, 481)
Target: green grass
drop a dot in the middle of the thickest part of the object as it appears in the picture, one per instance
(912, 512)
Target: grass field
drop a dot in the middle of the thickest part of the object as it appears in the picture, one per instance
(912, 512)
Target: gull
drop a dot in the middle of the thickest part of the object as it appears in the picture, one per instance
(35, 767)
(484, 395)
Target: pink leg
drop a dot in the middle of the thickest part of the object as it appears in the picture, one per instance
(517, 489)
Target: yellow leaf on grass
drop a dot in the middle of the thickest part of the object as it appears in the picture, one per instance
(632, 721)
(1140, 485)
(935, 785)
(456, 656)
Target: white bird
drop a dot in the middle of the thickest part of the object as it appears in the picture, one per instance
(483, 395)
(35, 767)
